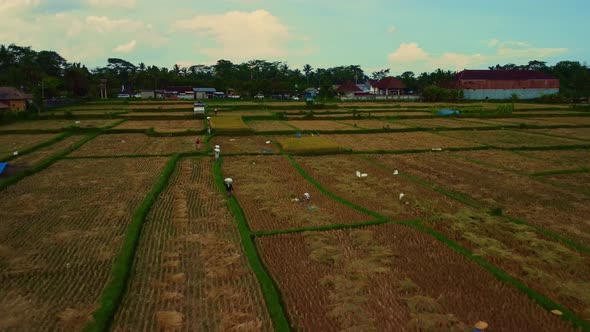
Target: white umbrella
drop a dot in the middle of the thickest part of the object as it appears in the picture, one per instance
(228, 180)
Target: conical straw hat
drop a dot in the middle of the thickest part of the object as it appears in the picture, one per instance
(481, 325)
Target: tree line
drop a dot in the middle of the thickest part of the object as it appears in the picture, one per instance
(49, 73)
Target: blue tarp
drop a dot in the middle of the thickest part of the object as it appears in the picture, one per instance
(2, 167)
(448, 112)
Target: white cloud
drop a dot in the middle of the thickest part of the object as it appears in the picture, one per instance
(412, 55)
(113, 3)
(16, 5)
(125, 48)
(407, 53)
(392, 29)
(104, 24)
(240, 35)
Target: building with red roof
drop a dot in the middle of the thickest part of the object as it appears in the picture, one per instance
(390, 86)
(502, 84)
(348, 89)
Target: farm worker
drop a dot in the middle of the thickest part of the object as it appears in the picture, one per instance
(198, 143)
(228, 186)
(480, 326)
(217, 153)
(306, 198)
(209, 121)
(215, 112)
(209, 130)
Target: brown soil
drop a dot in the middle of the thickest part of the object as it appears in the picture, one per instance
(391, 278)
(17, 142)
(508, 138)
(374, 124)
(567, 158)
(397, 141)
(56, 124)
(37, 156)
(265, 187)
(158, 114)
(539, 204)
(56, 228)
(163, 125)
(268, 125)
(574, 133)
(379, 191)
(514, 161)
(543, 264)
(135, 144)
(190, 263)
(319, 125)
(440, 123)
(578, 181)
(244, 144)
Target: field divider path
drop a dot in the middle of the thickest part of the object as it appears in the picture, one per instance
(270, 291)
(4, 183)
(39, 146)
(472, 202)
(123, 263)
(538, 176)
(497, 272)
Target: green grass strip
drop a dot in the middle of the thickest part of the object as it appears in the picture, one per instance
(332, 227)
(564, 171)
(39, 146)
(271, 295)
(501, 275)
(329, 193)
(113, 293)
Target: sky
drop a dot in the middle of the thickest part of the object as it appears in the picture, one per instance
(418, 35)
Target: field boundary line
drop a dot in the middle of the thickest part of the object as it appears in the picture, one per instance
(470, 201)
(5, 183)
(333, 227)
(321, 188)
(564, 171)
(497, 272)
(113, 292)
(506, 278)
(272, 297)
(524, 130)
(34, 148)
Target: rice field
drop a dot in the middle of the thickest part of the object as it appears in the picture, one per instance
(385, 224)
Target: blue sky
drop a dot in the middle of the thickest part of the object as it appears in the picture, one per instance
(419, 35)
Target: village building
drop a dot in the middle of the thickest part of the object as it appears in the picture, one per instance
(348, 89)
(11, 99)
(204, 93)
(389, 86)
(503, 84)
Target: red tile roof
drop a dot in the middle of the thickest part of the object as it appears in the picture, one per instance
(503, 75)
(10, 93)
(348, 87)
(387, 83)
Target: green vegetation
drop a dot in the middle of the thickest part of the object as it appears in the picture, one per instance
(271, 295)
(121, 270)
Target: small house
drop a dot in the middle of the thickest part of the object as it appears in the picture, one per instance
(12, 99)
(390, 86)
(204, 93)
(199, 107)
(348, 89)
